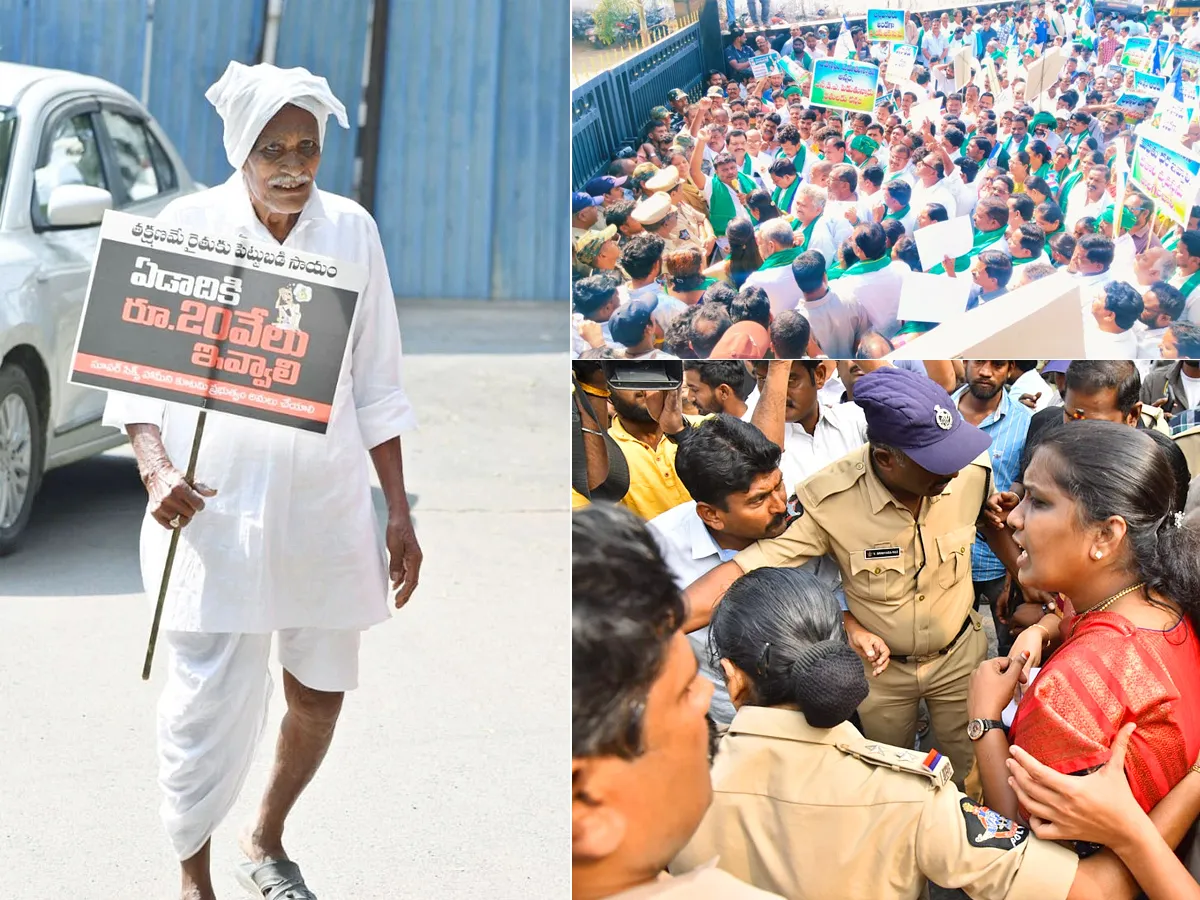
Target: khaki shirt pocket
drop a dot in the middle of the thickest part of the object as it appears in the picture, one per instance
(879, 579)
(954, 555)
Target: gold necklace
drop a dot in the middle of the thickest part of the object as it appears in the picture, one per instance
(1105, 604)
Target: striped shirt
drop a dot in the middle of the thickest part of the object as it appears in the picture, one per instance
(1007, 428)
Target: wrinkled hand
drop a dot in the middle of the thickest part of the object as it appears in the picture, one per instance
(1031, 400)
(171, 496)
(871, 648)
(998, 506)
(1098, 807)
(404, 556)
(993, 685)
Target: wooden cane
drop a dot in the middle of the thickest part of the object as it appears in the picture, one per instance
(162, 590)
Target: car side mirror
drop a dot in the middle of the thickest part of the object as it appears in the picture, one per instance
(77, 205)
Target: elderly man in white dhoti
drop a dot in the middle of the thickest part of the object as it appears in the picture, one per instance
(279, 537)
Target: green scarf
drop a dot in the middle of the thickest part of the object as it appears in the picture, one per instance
(898, 214)
(980, 242)
(835, 272)
(806, 230)
(1002, 158)
(748, 164)
(1079, 139)
(797, 160)
(747, 183)
(721, 210)
(1028, 259)
(1190, 285)
(787, 195)
(806, 61)
(1045, 173)
(1068, 185)
(1170, 240)
(780, 258)
(1050, 234)
(863, 266)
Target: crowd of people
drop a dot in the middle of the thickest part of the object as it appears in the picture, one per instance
(844, 629)
(749, 222)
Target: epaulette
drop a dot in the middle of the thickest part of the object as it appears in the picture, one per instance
(833, 479)
(932, 765)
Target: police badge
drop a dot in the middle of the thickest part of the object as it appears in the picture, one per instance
(943, 418)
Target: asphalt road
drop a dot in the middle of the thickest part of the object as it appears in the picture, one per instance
(441, 779)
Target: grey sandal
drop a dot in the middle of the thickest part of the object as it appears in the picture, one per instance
(276, 879)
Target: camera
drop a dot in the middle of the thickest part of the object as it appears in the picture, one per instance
(650, 375)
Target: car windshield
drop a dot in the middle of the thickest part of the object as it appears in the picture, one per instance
(8, 127)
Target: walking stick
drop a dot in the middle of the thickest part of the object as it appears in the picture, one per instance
(162, 590)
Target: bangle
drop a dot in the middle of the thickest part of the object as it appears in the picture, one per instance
(1045, 631)
(601, 434)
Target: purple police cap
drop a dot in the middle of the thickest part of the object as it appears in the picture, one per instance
(580, 200)
(912, 413)
(602, 184)
(1056, 365)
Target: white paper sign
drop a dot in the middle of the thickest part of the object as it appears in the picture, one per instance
(900, 63)
(930, 109)
(962, 68)
(933, 298)
(941, 239)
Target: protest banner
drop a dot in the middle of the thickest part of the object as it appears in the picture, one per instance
(1040, 320)
(962, 68)
(900, 63)
(1168, 175)
(792, 70)
(885, 25)
(1189, 59)
(932, 298)
(223, 324)
(1138, 53)
(1043, 72)
(1144, 83)
(930, 110)
(843, 84)
(1170, 116)
(1135, 106)
(762, 66)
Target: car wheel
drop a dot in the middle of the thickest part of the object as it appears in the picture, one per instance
(21, 454)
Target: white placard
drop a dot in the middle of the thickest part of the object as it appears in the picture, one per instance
(933, 298)
(930, 109)
(900, 63)
(941, 239)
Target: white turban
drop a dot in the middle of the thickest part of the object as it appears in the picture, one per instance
(247, 98)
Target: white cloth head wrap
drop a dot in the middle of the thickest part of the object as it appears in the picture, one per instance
(247, 97)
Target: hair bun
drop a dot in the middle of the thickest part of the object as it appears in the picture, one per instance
(829, 683)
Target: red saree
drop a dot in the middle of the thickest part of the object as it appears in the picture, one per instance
(1108, 673)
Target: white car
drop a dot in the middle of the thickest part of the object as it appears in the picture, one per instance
(71, 146)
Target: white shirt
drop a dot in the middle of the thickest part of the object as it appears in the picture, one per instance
(822, 240)
(938, 192)
(836, 324)
(1191, 308)
(739, 211)
(1149, 341)
(1078, 205)
(934, 46)
(689, 551)
(1099, 344)
(840, 429)
(1191, 388)
(780, 285)
(291, 539)
(878, 293)
(835, 216)
(1031, 383)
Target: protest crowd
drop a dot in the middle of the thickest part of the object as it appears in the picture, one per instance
(855, 628)
(843, 197)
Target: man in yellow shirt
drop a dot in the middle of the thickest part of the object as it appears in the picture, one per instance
(647, 427)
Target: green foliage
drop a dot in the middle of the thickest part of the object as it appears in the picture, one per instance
(608, 14)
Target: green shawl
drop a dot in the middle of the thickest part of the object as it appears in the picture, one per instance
(1002, 158)
(780, 258)
(1067, 186)
(863, 266)
(898, 214)
(787, 195)
(980, 242)
(721, 210)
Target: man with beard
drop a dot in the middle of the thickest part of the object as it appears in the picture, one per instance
(789, 411)
(986, 403)
(648, 426)
(738, 497)
(898, 516)
(719, 386)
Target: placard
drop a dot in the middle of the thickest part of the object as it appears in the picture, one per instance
(1138, 52)
(1168, 175)
(935, 242)
(762, 66)
(843, 84)
(932, 298)
(885, 25)
(900, 63)
(1042, 320)
(1189, 58)
(1146, 84)
(216, 322)
(1133, 105)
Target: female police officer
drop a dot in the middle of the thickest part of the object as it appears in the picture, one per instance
(805, 806)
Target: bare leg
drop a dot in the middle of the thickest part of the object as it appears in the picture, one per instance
(196, 880)
(304, 738)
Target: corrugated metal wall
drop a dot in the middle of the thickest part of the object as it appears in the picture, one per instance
(473, 157)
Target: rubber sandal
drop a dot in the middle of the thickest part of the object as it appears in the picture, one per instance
(276, 879)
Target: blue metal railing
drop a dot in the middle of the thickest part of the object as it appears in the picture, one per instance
(608, 111)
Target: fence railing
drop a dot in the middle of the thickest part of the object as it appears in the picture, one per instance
(609, 110)
(587, 60)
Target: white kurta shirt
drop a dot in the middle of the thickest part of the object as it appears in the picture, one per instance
(291, 539)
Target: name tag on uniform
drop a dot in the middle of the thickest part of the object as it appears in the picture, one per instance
(882, 553)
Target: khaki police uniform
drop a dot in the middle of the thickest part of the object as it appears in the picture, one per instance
(825, 813)
(908, 581)
(706, 883)
(1189, 442)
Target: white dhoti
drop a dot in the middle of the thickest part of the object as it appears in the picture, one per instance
(213, 710)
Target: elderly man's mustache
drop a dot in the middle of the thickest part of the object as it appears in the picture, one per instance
(288, 181)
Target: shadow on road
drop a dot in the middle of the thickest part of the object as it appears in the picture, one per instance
(88, 518)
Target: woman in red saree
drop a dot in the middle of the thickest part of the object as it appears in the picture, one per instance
(1101, 524)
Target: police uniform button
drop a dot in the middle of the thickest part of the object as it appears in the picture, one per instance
(962, 549)
(920, 597)
(878, 570)
(858, 465)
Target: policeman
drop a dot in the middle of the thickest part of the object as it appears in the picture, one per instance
(805, 806)
(898, 516)
(692, 226)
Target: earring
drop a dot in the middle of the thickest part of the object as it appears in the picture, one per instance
(1098, 554)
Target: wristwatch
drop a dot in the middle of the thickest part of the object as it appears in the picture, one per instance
(977, 728)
